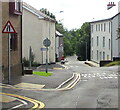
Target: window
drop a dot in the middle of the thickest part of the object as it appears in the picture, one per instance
(109, 44)
(101, 27)
(108, 57)
(16, 7)
(109, 26)
(97, 55)
(92, 42)
(13, 42)
(104, 27)
(91, 28)
(100, 56)
(103, 41)
(96, 27)
(92, 54)
(103, 55)
(97, 40)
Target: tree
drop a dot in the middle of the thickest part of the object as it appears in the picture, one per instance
(83, 39)
(45, 11)
(75, 40)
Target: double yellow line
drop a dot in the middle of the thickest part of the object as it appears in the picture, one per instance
(37, 104)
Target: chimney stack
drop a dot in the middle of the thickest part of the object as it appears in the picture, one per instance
(110, 5)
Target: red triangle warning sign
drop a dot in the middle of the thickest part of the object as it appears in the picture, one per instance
(8, 28)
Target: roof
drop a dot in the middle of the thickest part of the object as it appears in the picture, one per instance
(105, 19)
(59, 34)
(38, 13)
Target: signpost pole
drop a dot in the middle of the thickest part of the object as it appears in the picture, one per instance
(9, 60)
(46, 59)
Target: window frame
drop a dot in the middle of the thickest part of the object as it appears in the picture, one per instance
(13, 42)
(16, 7)
(97, 40)
(103, 41)
(103, 55)
(97, 55)
(109, 44)
(104, 27)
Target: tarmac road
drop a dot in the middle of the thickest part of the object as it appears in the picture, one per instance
(98, 88)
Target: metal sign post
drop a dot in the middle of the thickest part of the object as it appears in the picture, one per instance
(9, 29)
(9, 60)
(46, 43)
(46, 60)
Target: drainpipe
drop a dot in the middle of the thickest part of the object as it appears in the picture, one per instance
(111, 43)
(21, 45)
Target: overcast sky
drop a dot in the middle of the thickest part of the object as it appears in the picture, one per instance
(76, 12)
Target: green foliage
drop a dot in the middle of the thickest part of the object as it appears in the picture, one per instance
(83, 38)
(42, 73)
(25, 62)
(68, 50)
(32, 58)
(113, 63)
(75, 40)
(45, 11)
(33, 63)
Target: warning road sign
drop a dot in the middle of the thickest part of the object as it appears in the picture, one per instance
(8, 28)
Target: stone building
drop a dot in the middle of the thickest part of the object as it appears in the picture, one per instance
(11, 11)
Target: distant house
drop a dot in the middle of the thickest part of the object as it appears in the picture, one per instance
(11, 11)
(36, 28)
(59, 45)
(104, 42)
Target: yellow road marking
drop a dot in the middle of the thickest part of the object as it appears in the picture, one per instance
(75, 83)
(7, 99)
(35, 102)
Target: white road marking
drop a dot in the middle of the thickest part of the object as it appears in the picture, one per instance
(24, 103)
(100, 75)
(101, 78)
(89, 76)
(105, 77)
(93, 76)
(110, 77)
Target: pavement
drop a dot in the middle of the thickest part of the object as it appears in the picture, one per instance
(53, 81)
(60, 77)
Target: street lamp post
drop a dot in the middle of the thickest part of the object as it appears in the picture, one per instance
(86, 51)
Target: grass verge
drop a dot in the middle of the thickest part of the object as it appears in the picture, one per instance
(113, 63)
(42, 73)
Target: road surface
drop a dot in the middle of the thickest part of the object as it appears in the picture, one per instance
(98, 88)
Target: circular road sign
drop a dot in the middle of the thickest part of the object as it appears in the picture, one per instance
(46, 42)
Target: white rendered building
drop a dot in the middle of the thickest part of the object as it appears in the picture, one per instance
(36, 27)
(104, 42)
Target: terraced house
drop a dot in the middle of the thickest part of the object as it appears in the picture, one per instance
(104, 42)
(11, 11)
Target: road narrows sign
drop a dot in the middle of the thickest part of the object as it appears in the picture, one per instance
(8, 28)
